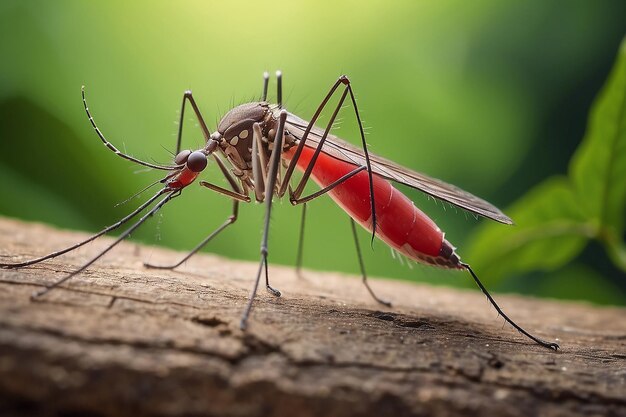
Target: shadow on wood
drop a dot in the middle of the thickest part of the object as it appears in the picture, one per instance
(121, 340)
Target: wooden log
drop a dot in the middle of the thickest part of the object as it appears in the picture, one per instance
(122, 340)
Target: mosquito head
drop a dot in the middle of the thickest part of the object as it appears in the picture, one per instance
(194, 161)
(197, 161)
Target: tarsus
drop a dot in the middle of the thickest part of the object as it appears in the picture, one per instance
(549, 345)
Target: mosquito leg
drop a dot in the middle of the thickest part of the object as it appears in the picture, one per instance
(272, 177)
(279, 89)
(89, 239)
(232, 180)
(232, 194)
(259, 174)
(113, 148)
(292, 164)
(266, 81)
(236, 195)
(298, 152)
(356, 241)
(188, 97)
(367, 156)
(269, 192)
(296, 201)
(230, 220)
(274, 291)
(295, 195)
(549, 345)
(123, 236)
(301, 243)
(362, 266)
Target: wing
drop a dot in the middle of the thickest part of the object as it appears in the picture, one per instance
(387, 169)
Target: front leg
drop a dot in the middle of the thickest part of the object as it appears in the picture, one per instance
(236, 194)
(272, 174)
(295, 195)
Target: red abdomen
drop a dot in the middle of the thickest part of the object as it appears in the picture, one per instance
(398, 222)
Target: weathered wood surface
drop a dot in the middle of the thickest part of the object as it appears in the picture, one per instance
(124, 340)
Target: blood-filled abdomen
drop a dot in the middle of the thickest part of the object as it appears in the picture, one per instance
(398, 222)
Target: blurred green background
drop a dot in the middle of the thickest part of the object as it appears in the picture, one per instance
(492, 96)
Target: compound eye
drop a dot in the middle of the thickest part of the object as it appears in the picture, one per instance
(182, 156)
(196, 161)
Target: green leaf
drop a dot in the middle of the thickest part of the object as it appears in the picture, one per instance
(557, 218)
(550, 230)
(598, 169)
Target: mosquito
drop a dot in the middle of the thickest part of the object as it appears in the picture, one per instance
(258, 146)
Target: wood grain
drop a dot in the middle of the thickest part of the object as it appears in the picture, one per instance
(122, 340)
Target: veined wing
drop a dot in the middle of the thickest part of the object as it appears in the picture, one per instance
(340, 149)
